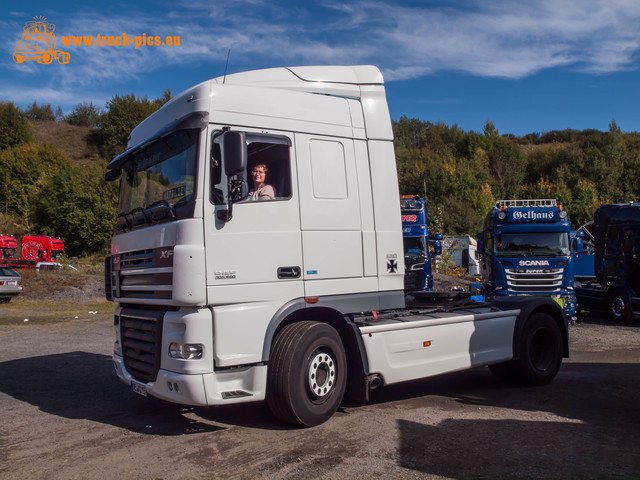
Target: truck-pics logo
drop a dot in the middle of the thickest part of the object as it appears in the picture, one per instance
(533, 263)
(38, 43)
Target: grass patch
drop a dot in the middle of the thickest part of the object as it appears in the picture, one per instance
(39, 312)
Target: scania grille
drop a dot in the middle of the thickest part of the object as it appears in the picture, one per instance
(534, 280)
(141, 340)
(143, 274)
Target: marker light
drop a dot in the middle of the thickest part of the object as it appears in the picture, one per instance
(186, 351)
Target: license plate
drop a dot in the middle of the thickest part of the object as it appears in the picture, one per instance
(139, 388)
(13, 284)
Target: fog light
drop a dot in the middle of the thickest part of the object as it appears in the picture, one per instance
(186, 351)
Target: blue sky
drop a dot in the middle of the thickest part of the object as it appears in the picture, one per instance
(528, 66)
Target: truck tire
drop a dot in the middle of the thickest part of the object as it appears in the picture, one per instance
(619, 306)
(540, 353)
(307, 373)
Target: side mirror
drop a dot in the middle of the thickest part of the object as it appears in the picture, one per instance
(234, 152)
(234, 159)
(437, 246)
(480, 247)
(439, 236)
(579, 244)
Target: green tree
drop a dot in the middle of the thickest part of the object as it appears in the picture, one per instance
(23, 169)
(85, 115)
(14, 129)
(122, 115)
(80, 207)
(40, 112)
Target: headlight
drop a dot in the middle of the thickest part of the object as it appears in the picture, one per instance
(502, 215)
(186, 351)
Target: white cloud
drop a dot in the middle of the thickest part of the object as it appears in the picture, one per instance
(491, 39)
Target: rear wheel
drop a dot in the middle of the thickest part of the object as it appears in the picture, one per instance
(619, 306)
(307, 373)
(540, 353)
(46, 58)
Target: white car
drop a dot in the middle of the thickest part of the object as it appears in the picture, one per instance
(10, 284)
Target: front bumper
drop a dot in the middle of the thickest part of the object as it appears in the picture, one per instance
(237, 385)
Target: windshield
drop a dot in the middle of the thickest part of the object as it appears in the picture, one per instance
(415, 247)
(158, 178)
(555, 244)
(8, 253)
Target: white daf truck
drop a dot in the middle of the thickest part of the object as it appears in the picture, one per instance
(296, 298)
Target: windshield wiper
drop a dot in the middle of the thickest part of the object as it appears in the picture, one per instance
(159, 210)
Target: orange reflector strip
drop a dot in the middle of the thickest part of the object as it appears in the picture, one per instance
(426, 343)
(311, 299)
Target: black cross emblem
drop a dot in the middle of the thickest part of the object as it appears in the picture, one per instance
(392, 266)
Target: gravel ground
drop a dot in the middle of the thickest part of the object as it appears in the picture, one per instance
(65, 415)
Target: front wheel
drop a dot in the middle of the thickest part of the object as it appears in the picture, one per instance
(619, 306)
(540, 353)
(307, 373)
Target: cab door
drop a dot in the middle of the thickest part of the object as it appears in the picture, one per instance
(256, 255)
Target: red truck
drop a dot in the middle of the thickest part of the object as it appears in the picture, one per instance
(38, 251)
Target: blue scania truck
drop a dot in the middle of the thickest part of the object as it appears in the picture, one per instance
(525, 250)
(415, 235)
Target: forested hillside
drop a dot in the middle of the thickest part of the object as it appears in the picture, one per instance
(464, 173)
(52, 169)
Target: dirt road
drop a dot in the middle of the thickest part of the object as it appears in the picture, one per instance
(65, 415)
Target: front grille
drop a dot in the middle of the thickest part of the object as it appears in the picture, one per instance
(141, 340)
(412, 280)
(143, 275)
(534, 280)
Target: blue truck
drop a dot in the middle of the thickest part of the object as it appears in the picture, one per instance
(525, 250)
(415, 235)
(616, 263)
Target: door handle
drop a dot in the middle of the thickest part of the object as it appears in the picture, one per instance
(289, 272)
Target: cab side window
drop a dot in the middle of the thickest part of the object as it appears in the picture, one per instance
(269, 164)
(268, 173)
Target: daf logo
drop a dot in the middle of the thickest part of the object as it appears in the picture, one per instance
(534, 263)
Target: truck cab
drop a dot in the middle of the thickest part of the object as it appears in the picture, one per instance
(8, 250)
(525, 249)
(616, 264)
(419, 249)
(42, 251)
